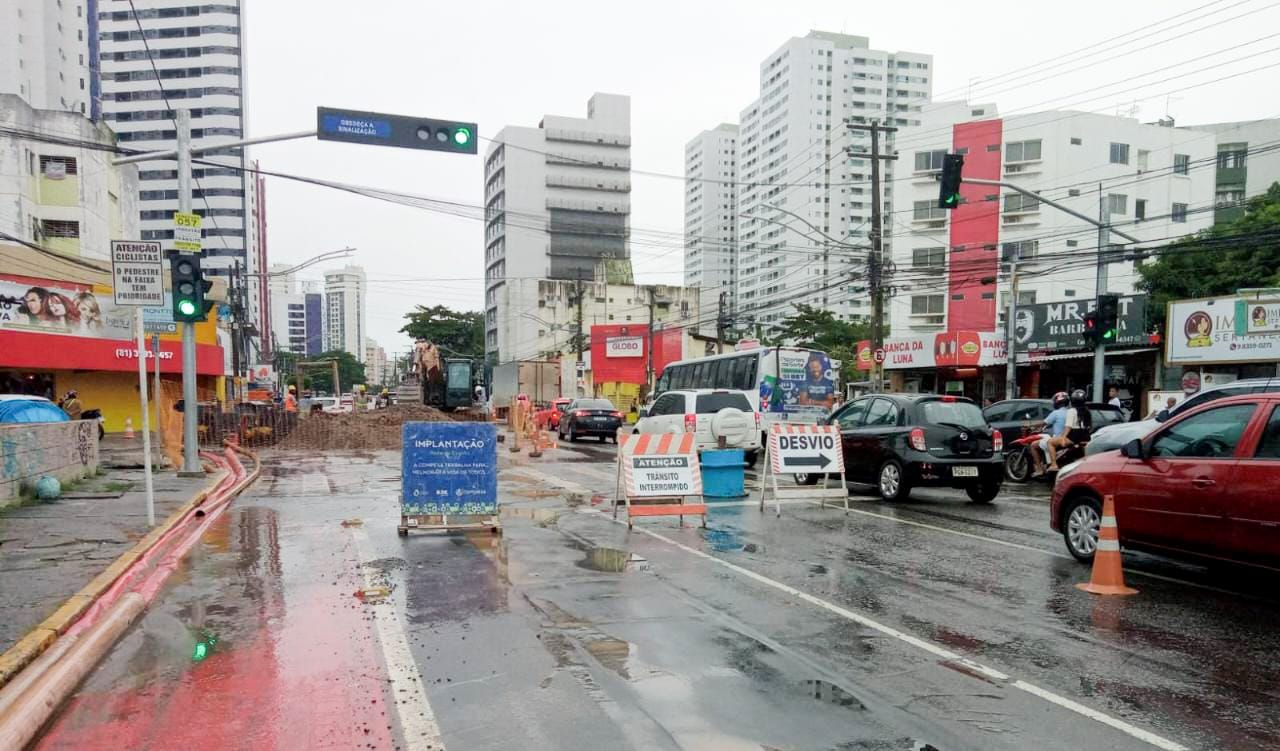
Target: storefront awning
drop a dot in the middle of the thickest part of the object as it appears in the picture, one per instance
(1031, 358)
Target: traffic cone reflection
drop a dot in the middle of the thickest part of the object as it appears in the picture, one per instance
(1108, 573)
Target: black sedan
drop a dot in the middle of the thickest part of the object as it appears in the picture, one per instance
(902, 441)
(595, 417)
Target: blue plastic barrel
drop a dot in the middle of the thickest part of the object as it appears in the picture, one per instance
(722, 473)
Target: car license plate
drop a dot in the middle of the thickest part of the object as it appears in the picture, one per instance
(964, 471)
(599, 419)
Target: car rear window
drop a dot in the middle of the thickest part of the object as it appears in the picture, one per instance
(1102, 417)
(711, 403)
(956, 413)
(593, 404)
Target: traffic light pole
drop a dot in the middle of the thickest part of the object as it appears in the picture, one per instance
(1011, 329)
(1104, 240)
(190, 408)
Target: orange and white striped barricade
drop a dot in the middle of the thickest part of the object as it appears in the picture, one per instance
(657, 474)
(804, 449)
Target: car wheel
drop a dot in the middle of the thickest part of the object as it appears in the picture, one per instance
(1081, 518)
(573, 437)
(806, 478)
(892, 482)
(1017, 466)
(983, 492)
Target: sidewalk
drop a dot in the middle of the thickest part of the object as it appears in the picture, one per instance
(49, 551)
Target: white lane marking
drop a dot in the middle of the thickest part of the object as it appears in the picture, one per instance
(946, 654)
(417, 721)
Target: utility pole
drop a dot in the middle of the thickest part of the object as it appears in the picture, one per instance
(578, 338)
(875, 260)
(648, 368)
(1104, 252)
(722, 319)
(233, 292)
(190, 408)
(1010, 330)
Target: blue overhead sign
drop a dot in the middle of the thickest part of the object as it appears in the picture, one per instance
(355, 125)
(449, 468)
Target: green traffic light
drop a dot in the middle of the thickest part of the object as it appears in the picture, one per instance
(187, 307)
(462, 136)
(1109, 334)
(952, 199)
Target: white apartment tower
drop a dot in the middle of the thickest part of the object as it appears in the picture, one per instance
(557, 204)
(198, 49)
(345, 326)
(711, 221)
(46, 53)
(798, 180)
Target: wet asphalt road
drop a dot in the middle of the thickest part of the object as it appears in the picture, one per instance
(930, 621)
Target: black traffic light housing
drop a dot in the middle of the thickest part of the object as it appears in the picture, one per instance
(1108, 318)
(1090, 330)
(949, 185)
(189, 289)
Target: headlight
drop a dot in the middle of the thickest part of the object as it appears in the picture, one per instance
(1064, 471)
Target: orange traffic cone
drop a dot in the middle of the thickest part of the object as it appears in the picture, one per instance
(128, 427)
(1108, 573)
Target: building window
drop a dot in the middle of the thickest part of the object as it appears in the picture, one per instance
(57, 167)
(1179, 213)
(1225, 198)
(1019, 251)
(56, 228)
(928, 161)
(1117, 203)
(1016, 202)
(1076, 141)
(1139, 209)
(1231, 158)
(924, 211)
(929, 258)
(1022, 151)
(1119, 153)
(1181, 164)
(927, 305)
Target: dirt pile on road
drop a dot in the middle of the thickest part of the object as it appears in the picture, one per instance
(379, 429)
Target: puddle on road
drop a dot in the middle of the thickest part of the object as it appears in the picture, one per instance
(830, 692)
(613, 561)
(611, 653)
(542, 516)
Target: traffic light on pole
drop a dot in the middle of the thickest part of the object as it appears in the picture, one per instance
(1090, 331)
(1108, 318)
(382, 129)
(949, 192)
(189, 288)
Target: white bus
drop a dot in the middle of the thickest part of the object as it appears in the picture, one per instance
(786, 384)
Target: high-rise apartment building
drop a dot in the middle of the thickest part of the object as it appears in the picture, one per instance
(297, 313)
(711, 221)
(801, 180)
(558, 204)
(198, 51)
(345, 326)
(47, 53)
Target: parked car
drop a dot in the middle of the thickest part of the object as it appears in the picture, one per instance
(1021, 418)
(898, 442)
(1202, 484)
(1115, 436)
(549, 418)
(710, 414)
(597, 417)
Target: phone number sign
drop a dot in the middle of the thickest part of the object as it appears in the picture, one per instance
(449, 468)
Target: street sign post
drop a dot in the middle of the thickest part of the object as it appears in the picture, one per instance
(381, 129)
(804, 450)
(186, 232)
(879, 355)
(449, 476)
(137, 276)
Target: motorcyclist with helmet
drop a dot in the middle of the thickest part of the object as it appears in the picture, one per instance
(1055, 426)
(1078, 427)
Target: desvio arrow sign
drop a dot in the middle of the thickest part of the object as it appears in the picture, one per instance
(805, 448)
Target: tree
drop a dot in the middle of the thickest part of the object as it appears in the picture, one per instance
(350, 371)
(820, 329)
(456, 333)
(1227, 257)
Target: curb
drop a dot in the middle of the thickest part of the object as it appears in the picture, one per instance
(38, 639)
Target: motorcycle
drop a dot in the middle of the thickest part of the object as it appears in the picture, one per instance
(1018, 464)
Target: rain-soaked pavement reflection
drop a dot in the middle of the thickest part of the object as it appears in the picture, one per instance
(567, 631)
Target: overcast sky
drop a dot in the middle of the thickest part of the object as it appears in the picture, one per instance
(687, 66)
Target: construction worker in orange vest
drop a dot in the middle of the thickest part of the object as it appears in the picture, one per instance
(291, 400)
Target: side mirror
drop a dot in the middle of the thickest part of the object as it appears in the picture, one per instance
(1132, 449)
